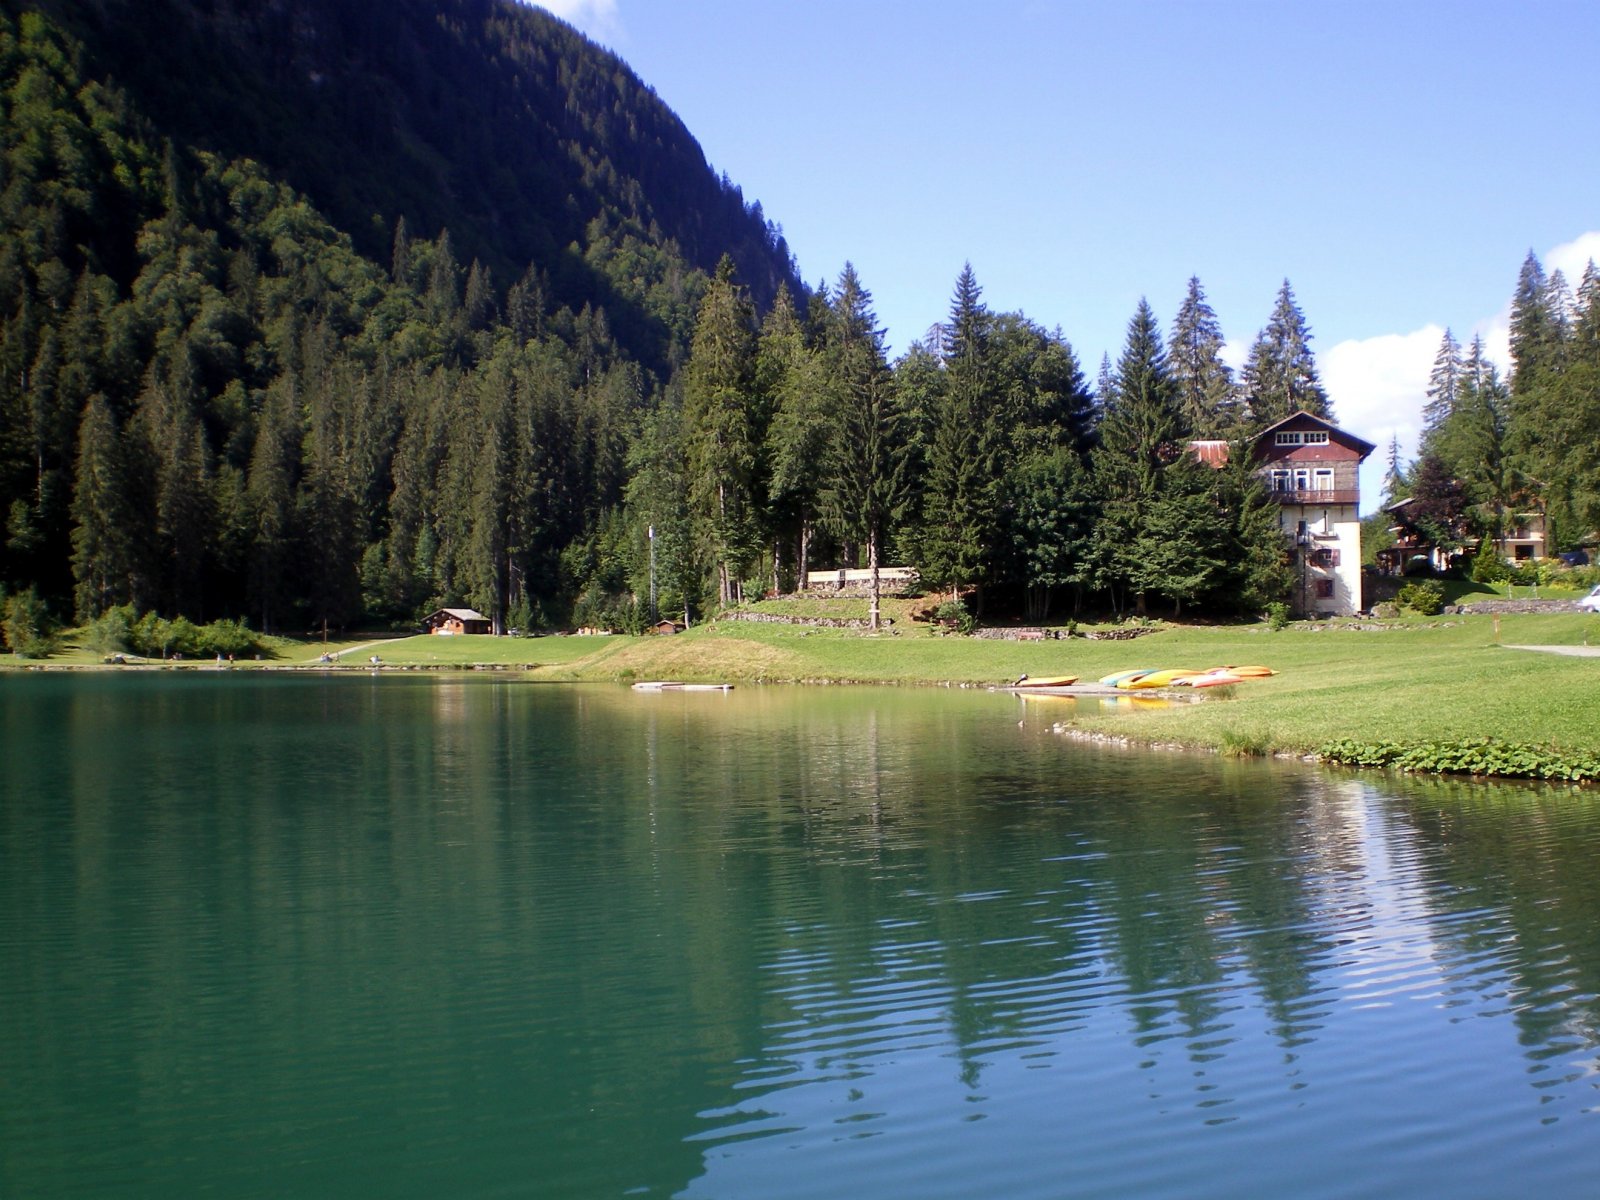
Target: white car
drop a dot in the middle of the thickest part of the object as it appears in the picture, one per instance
(1591, 602)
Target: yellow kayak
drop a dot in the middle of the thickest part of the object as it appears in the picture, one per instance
(1251, 672)
(1155, 679)
(1039, 681)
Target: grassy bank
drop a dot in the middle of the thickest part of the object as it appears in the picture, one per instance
(1414, 681)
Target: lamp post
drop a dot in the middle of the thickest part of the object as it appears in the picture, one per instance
(1302, 539)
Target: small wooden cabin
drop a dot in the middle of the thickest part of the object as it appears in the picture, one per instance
(458, 620)
(665, 627)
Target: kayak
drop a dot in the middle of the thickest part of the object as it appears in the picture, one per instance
(1039, 681)
(1155, 679)
(1209, 679)
(1251, 672)
(1115, 679)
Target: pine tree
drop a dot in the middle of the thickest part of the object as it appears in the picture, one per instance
(1477, 446)
(721, 445)
(862, 488)
(1142, 435)
(1204, 382)
(1280, 378)
(1052, 507)
(790, 376)
(960, 503)
(1443, 387)
(104, 561)
(1535, 330)
(269, 493)
(1394, 473)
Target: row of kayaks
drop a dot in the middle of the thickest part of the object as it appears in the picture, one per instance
(1211, 677)
(1146, 678)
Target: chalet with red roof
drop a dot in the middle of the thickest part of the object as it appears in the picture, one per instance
(1311, 467)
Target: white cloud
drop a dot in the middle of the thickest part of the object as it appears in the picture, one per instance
(1378, 386)
(1570, 258)
(597, 18)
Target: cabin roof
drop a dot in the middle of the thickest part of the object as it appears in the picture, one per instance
(1301, 417)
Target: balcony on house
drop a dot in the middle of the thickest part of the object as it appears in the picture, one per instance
(1331, 495)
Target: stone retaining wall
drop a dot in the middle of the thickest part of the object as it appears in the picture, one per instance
(1514, 606)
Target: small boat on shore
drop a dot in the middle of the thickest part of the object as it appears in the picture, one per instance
(1156, 679)
(1043, 681)
(1116, 677)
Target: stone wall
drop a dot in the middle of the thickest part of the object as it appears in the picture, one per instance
(1514, 606)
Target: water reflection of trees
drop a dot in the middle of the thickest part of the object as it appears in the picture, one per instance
(628, 923)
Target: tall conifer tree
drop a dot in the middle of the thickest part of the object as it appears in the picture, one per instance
(862, 486)
(1280, 378)
(1204, 382)
(720, 432)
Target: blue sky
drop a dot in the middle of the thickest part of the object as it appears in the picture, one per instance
(1395, 161)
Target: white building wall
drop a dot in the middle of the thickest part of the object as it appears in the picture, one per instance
(1328, 527)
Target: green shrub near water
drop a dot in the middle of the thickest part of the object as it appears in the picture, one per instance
(1470, 756)
(26, 624)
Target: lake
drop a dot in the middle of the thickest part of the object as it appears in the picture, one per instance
(467, 936)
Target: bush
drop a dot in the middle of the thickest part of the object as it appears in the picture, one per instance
(112, 631)
(26, 625)
(1277, 615)
(956, 611)
(1489, 567)
(1425, 597)
(227, 638)
(1470, 756)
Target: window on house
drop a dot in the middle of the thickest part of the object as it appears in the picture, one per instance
(1314, 437)
(1324, 558)
(1291, 438)
(1322, 479)
(1280, 480)
(1324, 589)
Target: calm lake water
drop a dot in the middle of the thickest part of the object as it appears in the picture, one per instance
(470, 937)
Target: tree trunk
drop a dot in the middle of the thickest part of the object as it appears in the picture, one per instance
(872, 565)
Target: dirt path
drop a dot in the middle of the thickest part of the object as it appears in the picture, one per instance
(349, 650)
(1575, 651)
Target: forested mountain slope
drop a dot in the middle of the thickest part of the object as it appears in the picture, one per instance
(328, 309)
(488, 118)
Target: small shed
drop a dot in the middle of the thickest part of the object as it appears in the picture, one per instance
(665, 626)
(458, 620)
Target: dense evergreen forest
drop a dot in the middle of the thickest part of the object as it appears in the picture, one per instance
(321, 312)
(1492, 447)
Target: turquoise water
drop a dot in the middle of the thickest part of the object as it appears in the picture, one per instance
(471, 937)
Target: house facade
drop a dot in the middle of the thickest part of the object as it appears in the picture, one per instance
(1311, 468)
(458, 620)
